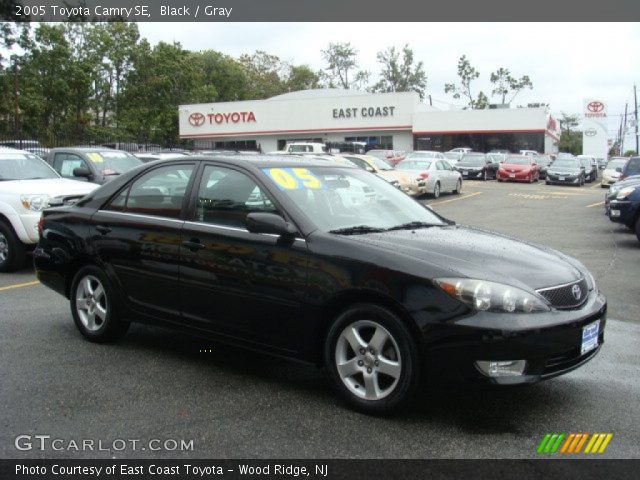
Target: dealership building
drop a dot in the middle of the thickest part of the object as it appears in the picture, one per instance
(397, 121)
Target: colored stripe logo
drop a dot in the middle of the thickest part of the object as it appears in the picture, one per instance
(572, 443)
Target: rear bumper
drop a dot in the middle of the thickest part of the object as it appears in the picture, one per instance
(548, 351)
(621, 211)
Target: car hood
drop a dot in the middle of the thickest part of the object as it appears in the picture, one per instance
(468, 166)
(475, 253)
(514, 167)
(54, 187)
(569, 170)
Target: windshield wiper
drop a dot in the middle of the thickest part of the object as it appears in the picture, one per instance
(356, 230)
(413, 225)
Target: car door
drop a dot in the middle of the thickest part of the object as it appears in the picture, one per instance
(445, 174)
(137, 236)
(245, 286)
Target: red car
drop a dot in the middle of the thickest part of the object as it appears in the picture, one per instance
(392, 157)
(519, 168)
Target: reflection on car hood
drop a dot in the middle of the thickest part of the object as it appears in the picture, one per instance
(515, 167)
(571, 170)
(476, 253)
(54, 187)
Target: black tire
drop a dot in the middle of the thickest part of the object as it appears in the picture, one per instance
(547, 182)
(436, 190)
(12, 250)
(458, 189)
(485, 177)
(408, 361)
(637, 228)
(107, 329)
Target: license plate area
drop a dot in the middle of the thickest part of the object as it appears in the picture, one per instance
(590, 335)
(512, 175)
(561, 179)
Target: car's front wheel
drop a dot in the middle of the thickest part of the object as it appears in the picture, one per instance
(93, 307)
(458, 189)
(12, 250)
(372, 359)
(436, 190)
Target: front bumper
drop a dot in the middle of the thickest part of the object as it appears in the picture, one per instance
(30, 223)
(469, 174)
(621, 211)
(550, 343)
(515, 176)
(563, 179)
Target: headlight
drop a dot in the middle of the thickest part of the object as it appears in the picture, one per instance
(625, 192)
(37, 203)
(494, 297)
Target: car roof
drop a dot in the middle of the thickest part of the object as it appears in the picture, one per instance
(262, 160)
(13, 150)
(87, 149)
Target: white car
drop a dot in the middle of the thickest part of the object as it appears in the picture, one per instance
(306, 147)
(28, 185)
(438, 174)
(529, 153)
(613, 170)
(461, 150)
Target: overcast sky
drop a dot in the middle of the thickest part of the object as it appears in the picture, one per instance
(567, 62)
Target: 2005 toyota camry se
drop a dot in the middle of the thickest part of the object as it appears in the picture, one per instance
(324, 263)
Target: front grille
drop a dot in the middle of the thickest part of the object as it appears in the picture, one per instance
(563, 296)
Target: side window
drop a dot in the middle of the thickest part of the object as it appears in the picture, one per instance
(633, 167)
(66, 163)
(440, 166)
(226, 196)
(159, 192)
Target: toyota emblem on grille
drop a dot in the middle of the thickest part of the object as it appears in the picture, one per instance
(576, 291)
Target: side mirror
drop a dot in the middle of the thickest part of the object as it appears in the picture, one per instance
(82, 172)
(269, 223)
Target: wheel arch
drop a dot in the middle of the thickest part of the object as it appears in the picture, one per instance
(347, 299)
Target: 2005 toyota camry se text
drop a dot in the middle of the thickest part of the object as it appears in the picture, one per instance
(321, 262)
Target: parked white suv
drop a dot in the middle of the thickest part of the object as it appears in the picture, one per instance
(27, 186)
(306, 147)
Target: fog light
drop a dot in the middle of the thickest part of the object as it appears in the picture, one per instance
(504, 368)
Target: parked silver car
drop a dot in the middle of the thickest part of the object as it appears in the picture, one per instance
(438, 174)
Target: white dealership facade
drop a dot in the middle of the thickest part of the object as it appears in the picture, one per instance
(398, 121)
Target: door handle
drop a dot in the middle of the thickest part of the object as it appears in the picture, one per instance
(103, 229)
(194, 245)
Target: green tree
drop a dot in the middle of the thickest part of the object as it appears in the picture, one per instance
(467, 74)
(506, 84)
(264, 74)
(400, 75)
(223, 77)
(570, 139)
(301, 77)
(630, 153)
(340, 61)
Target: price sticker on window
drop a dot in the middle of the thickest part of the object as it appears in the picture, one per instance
(95, 157)
(293, 178)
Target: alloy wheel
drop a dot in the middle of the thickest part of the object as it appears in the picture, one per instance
(4, 249)
(368, 360)
(91, 303)
(436, 190)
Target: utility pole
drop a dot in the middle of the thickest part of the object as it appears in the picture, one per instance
(624, 128)
(16, 102)
(635, 101)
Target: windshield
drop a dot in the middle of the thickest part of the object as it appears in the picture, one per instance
(585, 162)
(414, 165)
(452, 155)
(423, 155)
(565, 163)
(20, 166)
(476, 160)
(379, 163)
(616, 163)
(113, 162)
(543, 160)
(497, 157)
(519, 160)
(336, 199)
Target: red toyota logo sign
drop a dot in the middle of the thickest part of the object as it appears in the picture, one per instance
(595, 107)
(196, 119)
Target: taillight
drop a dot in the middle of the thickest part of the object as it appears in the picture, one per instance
(424, 175)
(41, 225)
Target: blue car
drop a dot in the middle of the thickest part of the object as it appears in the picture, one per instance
(622, 203)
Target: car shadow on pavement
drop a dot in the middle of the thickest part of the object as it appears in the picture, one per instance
(472, 409)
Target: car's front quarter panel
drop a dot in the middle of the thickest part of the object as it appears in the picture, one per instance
(62, 247)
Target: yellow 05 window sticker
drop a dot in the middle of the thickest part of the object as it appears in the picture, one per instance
(95, 157)
(293, 178)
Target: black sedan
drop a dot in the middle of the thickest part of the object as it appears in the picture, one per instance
(478, 166)
(544, 162)
(566, 170)
(323, 263)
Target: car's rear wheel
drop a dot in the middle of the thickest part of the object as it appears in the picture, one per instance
(458, 189)
(436, 190)
(93, 307)
(372, 359)
(485, 177)
(637, 229)
(12, 250)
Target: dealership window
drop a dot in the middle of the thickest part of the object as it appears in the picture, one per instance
(482, 142)
(384, 142)
(237, 145)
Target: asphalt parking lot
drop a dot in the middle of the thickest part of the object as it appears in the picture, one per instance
(238, 404)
